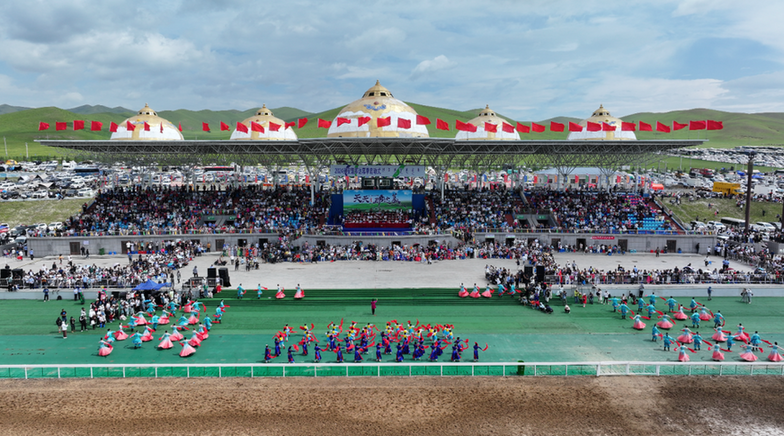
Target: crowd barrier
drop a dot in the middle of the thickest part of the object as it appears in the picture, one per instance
(406, 369)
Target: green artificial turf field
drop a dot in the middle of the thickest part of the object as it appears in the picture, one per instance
(514, 332)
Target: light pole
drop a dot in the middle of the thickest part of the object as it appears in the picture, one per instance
(748, 188)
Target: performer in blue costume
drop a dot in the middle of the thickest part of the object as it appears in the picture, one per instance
(317, 353)
(718, 319)
(667, 341)
(624, 310)
(136, 338)
(671, 303)
(695, 320)
(291, 356)
(697, 340)
(399, 354)
(267, 354)
(378, 351)
(655, 333)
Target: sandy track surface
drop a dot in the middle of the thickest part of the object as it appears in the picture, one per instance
(399, 406)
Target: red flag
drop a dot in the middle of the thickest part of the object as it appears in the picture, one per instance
(96, 126)
(662, 127)
(274, 127)
(361, 121)
(43, 126)
(146, 127)
(256, 127)
(242, 128)
(628, 127)
(301, 122)
(381, 122)
(403, 123)
(696, 125)
(645, 127)
(342, 121)
(289, 124)
(224, 126)
(324, 124)
(574, 127)
(464, 127)
(422, 120)
(441, 124)
(607, 127)
(179, 127)
(129, 126)
(490, 127)
(506, 127)
(113, 127)
(522, 128)
(556, 127)
(715, 125)
(594, 127)
(161, 127)
(60, 126)
(576, 179)
(78, 125)
(677, 126)
(538, 128)
(205, 127)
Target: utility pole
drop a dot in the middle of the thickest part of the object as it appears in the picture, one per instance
(748, 188)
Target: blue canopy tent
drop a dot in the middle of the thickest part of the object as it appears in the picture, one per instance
(150, 285)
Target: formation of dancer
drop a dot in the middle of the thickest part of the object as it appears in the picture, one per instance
(419, 341)
(189, 320)
(489, 291)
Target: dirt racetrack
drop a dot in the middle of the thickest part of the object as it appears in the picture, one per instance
(399, 406)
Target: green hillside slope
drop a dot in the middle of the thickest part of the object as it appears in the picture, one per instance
(20, 125)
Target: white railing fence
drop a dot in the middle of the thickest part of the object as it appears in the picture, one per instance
(404, 369)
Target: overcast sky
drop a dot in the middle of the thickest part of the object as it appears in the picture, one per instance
(530, 60)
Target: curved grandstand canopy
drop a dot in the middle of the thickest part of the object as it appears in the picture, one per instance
(437, 152)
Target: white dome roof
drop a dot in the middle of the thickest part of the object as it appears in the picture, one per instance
(264, 117)
(377, 102)
(160, 129)
(488, 116)
(599, 116)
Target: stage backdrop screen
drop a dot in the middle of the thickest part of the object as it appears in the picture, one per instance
(361, 200)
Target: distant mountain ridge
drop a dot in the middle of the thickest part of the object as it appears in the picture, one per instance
(100, 109)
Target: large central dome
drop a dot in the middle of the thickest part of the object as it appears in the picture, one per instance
(159, 128)
(600, 116)
(377, 103)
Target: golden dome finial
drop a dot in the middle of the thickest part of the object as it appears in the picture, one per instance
(378, 83)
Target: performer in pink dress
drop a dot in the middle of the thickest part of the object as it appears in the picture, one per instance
(488, 293)
(280, 294)
(682, 356)
(300, 294)
(187, 350)
(719, 336)
(686, 336)
(164, 319)
(774, 355)
(194, 341)
(679, 315)
(748, 355)
(475, 292)
(194, 319)
(147, 335)
(666, 322)
(463, 293)
(166, 342)
(120, 335)
(717, 354)
(638, 324)
(705, 314)
(176, 335)
(105, 348)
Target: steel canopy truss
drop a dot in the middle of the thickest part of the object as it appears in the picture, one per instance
(319, 152)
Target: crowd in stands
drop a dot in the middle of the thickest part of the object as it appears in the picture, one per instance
(591, 211)
(383, 218)
(476, 210)
(177, 210)
(161, 264)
